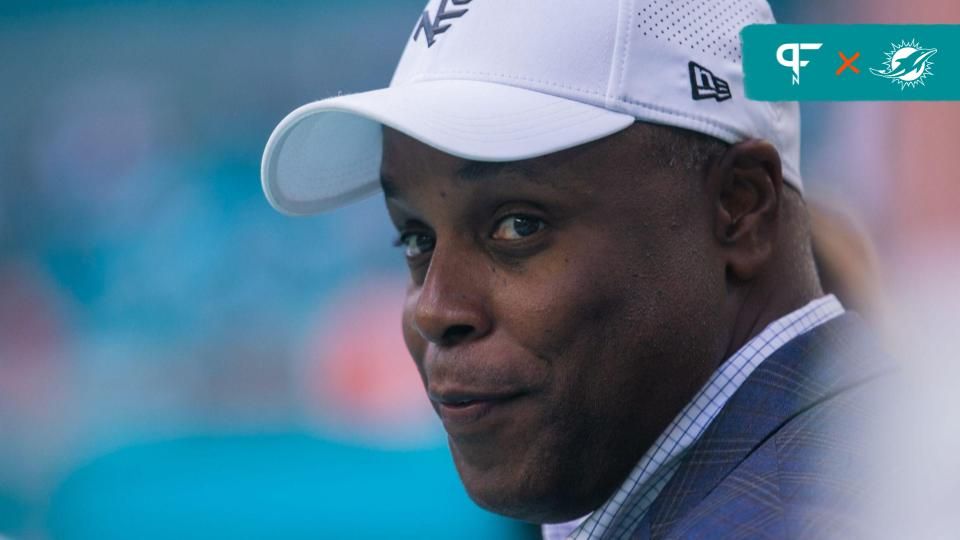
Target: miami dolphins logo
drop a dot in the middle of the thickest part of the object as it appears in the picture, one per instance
(907, 64)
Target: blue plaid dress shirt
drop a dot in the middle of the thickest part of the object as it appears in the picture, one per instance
(622, 513)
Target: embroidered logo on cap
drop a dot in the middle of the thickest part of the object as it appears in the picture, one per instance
(436, 26)
(706, 85)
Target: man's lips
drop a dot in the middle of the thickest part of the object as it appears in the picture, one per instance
(460, 409)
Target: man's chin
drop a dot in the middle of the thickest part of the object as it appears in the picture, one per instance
(526, 507)
(519, 494)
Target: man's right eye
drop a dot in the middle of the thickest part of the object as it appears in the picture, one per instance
(415, 244)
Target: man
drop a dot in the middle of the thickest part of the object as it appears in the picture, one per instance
(613, 303)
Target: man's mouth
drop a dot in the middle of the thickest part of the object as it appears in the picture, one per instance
(460, 411)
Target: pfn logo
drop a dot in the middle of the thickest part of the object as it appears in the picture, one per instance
(436, 26)
(794, 62)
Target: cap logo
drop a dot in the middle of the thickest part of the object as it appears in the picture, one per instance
(706, 85)
(431, 28)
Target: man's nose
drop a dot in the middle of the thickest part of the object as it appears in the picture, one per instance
(450, 309)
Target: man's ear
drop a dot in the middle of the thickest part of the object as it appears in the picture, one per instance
(746, 187)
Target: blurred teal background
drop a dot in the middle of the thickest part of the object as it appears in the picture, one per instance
(177, 360)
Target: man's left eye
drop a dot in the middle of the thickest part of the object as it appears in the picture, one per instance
(517, 227)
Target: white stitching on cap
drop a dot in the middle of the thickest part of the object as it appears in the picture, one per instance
(626, 45)
(445, 75)
(705, 120)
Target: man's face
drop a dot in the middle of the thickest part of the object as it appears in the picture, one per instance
(560, 311)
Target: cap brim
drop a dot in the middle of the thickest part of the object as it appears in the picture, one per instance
(327, 153)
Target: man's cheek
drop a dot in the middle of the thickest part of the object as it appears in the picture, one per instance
(416, 344)
(567, 296)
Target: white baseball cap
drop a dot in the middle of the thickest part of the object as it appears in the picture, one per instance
(505, 80)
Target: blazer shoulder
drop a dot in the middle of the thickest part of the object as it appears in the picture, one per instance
(825, 462)
(806, 480)
(782, 460)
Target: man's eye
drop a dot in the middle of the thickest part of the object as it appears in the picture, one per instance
(518, 227)
(415, 244)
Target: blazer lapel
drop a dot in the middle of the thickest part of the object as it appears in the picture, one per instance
(810, 368)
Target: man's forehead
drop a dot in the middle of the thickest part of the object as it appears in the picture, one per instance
(472, 172)
(625, 153)
(406, 159)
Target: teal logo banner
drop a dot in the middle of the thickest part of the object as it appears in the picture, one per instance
(852, 62)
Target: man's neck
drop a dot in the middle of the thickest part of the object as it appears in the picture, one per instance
(764, 303)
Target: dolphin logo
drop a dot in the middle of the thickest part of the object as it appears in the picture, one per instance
(907, 64)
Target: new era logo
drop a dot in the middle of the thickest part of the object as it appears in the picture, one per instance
(706, 85)
(431, 28)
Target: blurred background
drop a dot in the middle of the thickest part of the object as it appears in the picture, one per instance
(177, 360)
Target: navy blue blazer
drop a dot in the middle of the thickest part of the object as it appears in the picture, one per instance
(783, 458)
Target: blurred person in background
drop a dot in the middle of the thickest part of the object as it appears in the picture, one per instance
(847, 261)
(613, 301)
